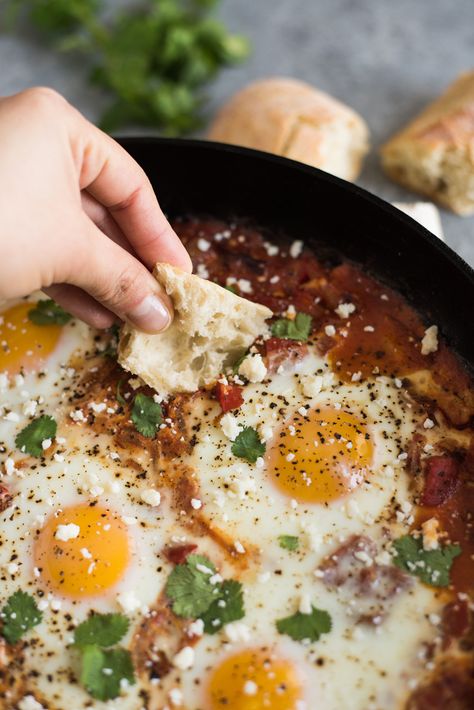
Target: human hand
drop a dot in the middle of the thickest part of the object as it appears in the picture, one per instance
(78, 217)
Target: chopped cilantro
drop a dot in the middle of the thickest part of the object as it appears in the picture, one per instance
(118, 395)
(102, 672)
(289, 542)
(29, 440)
(229, 606)
(190, 588)
(18, 616)
(232, 289)
(305, 626)
(147, 415)
(238, 362)
(112, 345)
(247, 445)
(297, 329)
(431, 566)
(102, 630)
(48, 312)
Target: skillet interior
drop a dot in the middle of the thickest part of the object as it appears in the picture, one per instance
(332, 215)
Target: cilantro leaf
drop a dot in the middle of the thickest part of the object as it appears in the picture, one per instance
(247, 445)
(228, 607)
(118, 394)
(102, 630)
(431, 566)
(289, 542)
(19, 615)
(305, 626)
(147, 415)
(190, 589)
(297, 329)
(29, 439)
(102, 671)
(48, 312)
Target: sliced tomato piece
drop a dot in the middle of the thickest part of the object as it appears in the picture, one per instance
(229, 396)
(177, 554)
(441, 480)
(280, 351)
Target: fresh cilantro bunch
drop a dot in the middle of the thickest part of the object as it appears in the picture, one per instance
(154, 61)
(30, 439)
(196, 594)
(103, 669)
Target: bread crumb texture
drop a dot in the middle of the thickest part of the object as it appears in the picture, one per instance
(211, 330)
(293, 119)
(434, 153)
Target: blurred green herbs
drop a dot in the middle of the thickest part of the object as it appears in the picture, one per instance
(154, 60)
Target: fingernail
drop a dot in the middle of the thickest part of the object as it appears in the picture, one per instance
(151, 315)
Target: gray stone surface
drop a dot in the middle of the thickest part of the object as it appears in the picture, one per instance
(386, 58)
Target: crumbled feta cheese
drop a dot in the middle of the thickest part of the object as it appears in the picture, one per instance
(203, 244)
(431, 534)
(29, 408)
(67, 532)
(12, 568)
(330, 330)
(271, 249)
(356, 376)
(97, 408)
(311, 385)
(239, 547)
(296, 248)
(230, 426)
(429, 343)
(344, 310)
(176, 697)
(184, 659)
(9, 467)
(237, 631)
(196, 504)
(428, 423)
(12, 417)
(128, 520)
(243, 486)
(305, 604)
(77, 415)
(46, 443)
(151, 497)
(253, 368)
(195, 628)
(128, 602)
(244, 285)
(369, 329)
(85, 553)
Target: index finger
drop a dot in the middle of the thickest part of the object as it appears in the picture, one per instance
(116, 180)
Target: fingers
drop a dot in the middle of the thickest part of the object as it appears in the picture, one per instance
(115, 180)
(81, 305)
(118, 281)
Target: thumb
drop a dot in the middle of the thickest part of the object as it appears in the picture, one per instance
(118, 281)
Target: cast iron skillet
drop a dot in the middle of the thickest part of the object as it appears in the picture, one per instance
(334, 216)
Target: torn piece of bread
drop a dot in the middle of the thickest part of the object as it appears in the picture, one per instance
(426, 213)
(293, 119)
(434, 153)
(212, 328)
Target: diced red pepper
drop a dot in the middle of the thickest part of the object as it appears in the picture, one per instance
(441, 480)
(280, 351)
(177, 554)
(5, 498)
(229, 396)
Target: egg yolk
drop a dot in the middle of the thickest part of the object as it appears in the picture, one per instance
(25, 346)
(82, 551)
(320, 457)
(254, 679)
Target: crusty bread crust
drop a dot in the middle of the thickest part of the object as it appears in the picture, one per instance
(211, 329)
(291, 118)
(434, 153)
